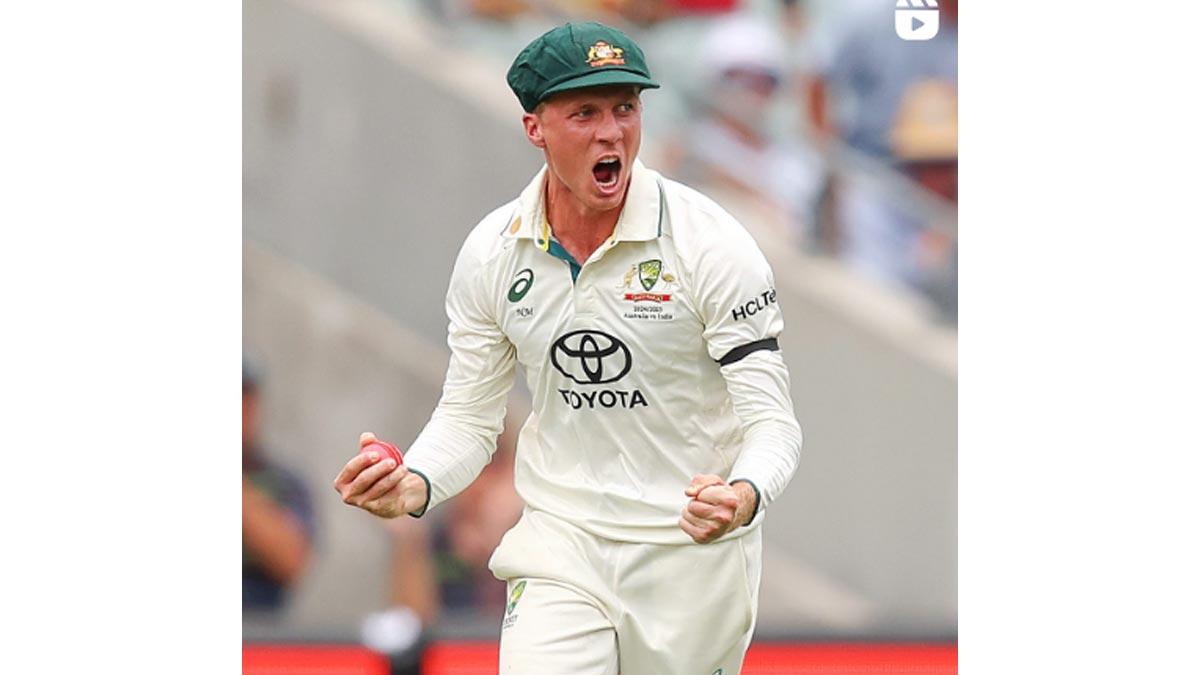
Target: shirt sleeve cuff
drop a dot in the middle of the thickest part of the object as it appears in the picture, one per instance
(757, 497)
(429, 493)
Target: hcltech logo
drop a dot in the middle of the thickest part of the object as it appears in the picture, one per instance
(916, 19)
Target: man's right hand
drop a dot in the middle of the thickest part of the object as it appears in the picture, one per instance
(377, 485)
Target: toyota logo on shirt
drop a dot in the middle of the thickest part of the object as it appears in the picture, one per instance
(591, 357)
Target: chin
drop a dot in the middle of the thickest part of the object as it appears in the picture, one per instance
(604, 200)
(604, 205)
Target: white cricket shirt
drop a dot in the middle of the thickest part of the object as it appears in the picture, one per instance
(653, 361)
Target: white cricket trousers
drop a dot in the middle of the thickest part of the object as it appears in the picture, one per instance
(583, 605)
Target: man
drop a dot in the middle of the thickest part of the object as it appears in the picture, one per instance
(871, 80)
(730, 144)
(646, 320)
(277, 517)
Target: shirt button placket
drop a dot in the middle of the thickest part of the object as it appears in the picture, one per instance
(580, 295)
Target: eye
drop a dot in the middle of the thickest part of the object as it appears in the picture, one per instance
(584, 113)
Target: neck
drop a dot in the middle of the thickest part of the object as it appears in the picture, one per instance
(580, 229)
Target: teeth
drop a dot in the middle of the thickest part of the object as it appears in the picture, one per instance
(608, 161)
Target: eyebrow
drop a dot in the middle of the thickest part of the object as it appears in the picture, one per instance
(633, 99)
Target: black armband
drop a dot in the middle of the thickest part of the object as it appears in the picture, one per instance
(738, 353)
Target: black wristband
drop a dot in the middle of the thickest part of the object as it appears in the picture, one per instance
(757, 497)
(429, 493)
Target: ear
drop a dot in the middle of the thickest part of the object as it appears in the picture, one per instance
(533, 130)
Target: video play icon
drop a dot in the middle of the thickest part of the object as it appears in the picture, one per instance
(916, 19)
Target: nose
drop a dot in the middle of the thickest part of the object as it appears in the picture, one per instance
(608, 130)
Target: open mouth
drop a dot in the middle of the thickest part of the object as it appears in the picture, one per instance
(606, 172)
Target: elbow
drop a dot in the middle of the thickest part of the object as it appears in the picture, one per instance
(468, 420)
(782, 427)
(790, 429)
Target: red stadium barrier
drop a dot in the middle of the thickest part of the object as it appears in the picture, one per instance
(480, 658)
(259, 659)
(850, 659)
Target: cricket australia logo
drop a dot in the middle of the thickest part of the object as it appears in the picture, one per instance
(648, 272)
(650, 275)
(515, 596)
(513, 599)
(604, 54)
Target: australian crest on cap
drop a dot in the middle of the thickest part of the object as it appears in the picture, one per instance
(604, 54)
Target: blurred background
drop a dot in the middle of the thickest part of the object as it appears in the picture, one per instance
(376, 133)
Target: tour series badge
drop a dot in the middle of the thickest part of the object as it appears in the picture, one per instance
(647, 286)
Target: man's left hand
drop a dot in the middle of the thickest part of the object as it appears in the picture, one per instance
(716, 508)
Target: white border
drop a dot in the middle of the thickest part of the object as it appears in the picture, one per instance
(120, 142)
(1079, 340)
(120, 173)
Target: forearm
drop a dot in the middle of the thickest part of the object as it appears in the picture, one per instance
(770, 454)
(451, 452)
(460, 438)
(772, 438)
(273, 535)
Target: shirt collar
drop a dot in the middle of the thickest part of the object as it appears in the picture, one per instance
(640, 219)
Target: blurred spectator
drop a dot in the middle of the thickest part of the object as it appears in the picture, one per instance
(894, 101)
(731, 144)
(925, 142)
(500, 10)
(480, 516)
(872, 68)
(641, 12)
(443, 565)
(808, 59)
(808, 54)
(894, 243)
(277, 516)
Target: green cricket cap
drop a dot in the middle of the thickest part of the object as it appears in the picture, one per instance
(574, 56)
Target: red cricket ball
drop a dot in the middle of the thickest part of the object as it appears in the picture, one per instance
(385, 450)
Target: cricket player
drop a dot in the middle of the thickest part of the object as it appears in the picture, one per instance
(646, 321)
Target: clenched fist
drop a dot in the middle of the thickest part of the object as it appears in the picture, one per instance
(378, 485)
(716, 508)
